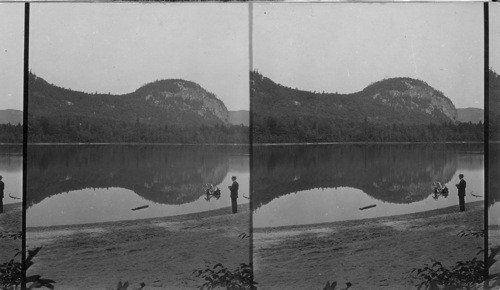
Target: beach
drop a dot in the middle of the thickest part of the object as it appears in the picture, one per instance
(370, 254)
(163, 252)
(160, 252)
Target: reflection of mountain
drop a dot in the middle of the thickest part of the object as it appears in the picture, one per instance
(162, 174)
(390, 173)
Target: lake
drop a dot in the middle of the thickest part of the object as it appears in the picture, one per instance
(309, 184)
(78, 184)
(11, 169)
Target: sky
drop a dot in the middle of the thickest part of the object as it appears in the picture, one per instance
(116, 48)
(494, 9)
(11, 55)
(343, 47)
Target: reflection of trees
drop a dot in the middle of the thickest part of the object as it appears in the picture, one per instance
(390, 173)
(162, 174)
(494, 173)
(11, 158)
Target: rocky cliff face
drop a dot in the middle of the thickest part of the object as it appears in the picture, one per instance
(415, 95)
(188, 96)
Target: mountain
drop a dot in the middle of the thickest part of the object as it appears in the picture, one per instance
(164, 102)
(390, 101)
(473, 115)
(241, 117)
(13, 117)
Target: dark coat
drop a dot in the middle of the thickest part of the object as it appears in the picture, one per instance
(234, 189)
(2, 187)
(461, 187)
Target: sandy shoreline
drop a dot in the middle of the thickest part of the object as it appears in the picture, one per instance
(370, 254)
(163, 252)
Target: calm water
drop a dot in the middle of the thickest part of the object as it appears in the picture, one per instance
(494, 184)
(100, 183)
(11, 166)
(295, 185)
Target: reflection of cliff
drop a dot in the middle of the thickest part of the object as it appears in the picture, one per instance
(390, 173)
(162, 174)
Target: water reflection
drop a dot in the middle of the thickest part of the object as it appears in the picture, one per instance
(331, 181)
(87, 184)
(11, 165)
(166, 175)
(494, 184)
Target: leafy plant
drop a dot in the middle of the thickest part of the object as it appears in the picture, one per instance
(124, 286)
(463, 273)
(219, 276)
(476, 234)
(243, 236)
(11, 235)
(333, 285)
(11, 272)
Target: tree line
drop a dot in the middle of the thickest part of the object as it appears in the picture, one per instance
(11, 133)
(85, 130)
(273, 130)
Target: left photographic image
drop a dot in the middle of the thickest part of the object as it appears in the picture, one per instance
(138, 145)
(11, 139)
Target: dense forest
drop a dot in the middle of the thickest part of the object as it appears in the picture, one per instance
(94, 130)
(272, 130)
(11, 133)
(494, 102)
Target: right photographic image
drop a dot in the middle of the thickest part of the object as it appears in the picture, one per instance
(368, 160)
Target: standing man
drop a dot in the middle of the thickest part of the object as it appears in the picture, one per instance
(234, 194)
(461, 192)
(2, 187)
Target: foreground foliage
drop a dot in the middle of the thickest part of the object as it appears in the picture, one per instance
(219, 276)
(463, 274)
(11, 272)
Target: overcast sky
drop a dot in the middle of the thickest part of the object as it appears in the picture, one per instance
(344, 47)
(119, 47)
(494, 18)
(11, 55)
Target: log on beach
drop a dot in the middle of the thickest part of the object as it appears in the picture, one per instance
(367, 207)
(141, 207)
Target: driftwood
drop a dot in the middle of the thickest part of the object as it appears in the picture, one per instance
(141, 207)
(14, 197)
(475, 195)
(367, 207)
